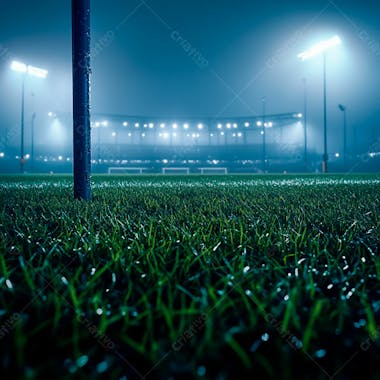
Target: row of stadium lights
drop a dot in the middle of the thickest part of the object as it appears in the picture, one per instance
(68, 159)
(186, 126)
(174, 134)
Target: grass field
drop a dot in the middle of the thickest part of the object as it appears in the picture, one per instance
(189, 277)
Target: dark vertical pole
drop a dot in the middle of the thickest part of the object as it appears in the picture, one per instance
(22, 158)
(325, 155)
(81, 98)
(305, 121)
(32, 150)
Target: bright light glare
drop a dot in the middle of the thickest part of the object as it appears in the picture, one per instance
(186, 126)
(37, 72)
(113, 134)
(125, 124)
(31, 70)
(259, 123)
(19, 67)
(300, 115)
(219, 126)
(246, 124)
(200, 126)
(320, 48)
(337, 155)
(1, 154)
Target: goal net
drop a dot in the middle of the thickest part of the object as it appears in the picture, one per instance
(125, 170)
(175, 170)
(212, 170)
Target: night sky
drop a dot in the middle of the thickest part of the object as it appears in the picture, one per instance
(199, 58)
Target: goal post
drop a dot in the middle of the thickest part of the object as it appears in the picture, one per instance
(212, 170)
(177, 170)
(125, 170)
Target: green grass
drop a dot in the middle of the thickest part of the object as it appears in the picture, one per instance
(190, 277)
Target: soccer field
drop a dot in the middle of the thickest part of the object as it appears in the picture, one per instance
(190, 277)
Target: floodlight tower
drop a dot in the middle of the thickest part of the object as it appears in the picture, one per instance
(322, 48)
(34, 72)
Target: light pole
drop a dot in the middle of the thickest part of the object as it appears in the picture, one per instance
(343, 109)
(321, 48)
(34, 72)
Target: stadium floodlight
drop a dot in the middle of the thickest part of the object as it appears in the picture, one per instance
(151, 125)
(259, 123)
(322, 48)
(246, 124)
(220, 126)
(186, 126)
(162, 125)
(239, 134)
(200, 126)
(33, 72)
(125, 124)
(235, 125)
(137, 125)
(105, 123)
(175, 126)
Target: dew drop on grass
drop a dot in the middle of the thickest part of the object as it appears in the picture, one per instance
(64, 280)
(345, 267)
(102, 367)
(9, 284)
(93, 270)
(99, 311)
(360, 323)
(82, 361)
(265, 337)
(286, 297)
(248, 293)
(363, 259)
(246, 269)
(201, 370)
(320, 353)
(329, 286)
